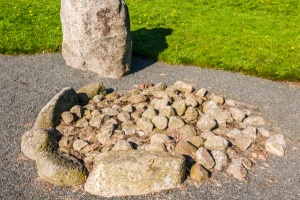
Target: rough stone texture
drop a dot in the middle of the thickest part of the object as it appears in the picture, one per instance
(204, 158)
(179, 106)
(122, 145)
(220, 158)
(160, 122)
(60, 169)
(50, 114)
(67, 117)
(216, 143)
(176, 122)
(242, 141)
(191, 114)
(250, 132)
(188, 133)
(275, 144)
(89, 91)
(186, 148)
(135, 173)
(206, 123)
(254, 120)
(198, 173)
(167, 111)
(184, 87)
(159, 138)
(145, 124)
(217, 98)
(149, 113)
(96, 36)
(237, 114)
(237, 170)
(35, 141)
(77, 110)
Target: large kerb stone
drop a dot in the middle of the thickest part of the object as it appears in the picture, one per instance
(96, 36)
(135, 172)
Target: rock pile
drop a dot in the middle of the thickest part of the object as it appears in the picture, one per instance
(190, 129)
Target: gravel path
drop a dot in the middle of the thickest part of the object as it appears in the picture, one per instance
(27, 83)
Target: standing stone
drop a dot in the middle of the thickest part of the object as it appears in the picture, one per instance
(96, 36)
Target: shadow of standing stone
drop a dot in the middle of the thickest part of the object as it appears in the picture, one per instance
(96, 36)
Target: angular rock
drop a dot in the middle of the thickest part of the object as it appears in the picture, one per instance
(208, 105)
(155, 147)
(191, 114)
(254, 121)
(175, 122)
(167, 111)
(184, 87)
(149, 113)
(162, 95)
(112, 96)
(79, 144)
(230, 102)
(275, 144)
(130, 130)
(77, 110)
(128, 108)
(104, 135)
(179, 106)
(160, 122)
(159, 103)
(250, 132)
(216, 143)
(198, 173)
(136, 115)
(90, 90)
(206, 123)
(243, 142)
(220, 159)
(217, 98)
(264, 132)
(98, 98)
(234, 132)
(96, 36)
(145, 124)
(159, 138)
(50, 114)
(122, 145)
(186, 148)
(237, 114)
(204, 158)
(202, 92)
(96, 121)
(160, 86)
(35, 141)
(67, 117)
(137, 98)
(188, 133)
(123, 116)
(60, 169)
(83, 122)
(237, 170)
(139, 172)
(191, 101)
(232, 154)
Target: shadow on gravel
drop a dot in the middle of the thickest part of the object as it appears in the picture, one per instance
(148, 43)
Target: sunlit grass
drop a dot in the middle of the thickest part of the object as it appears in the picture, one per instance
(257, 37)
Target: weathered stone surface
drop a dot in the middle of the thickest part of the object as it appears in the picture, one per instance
(130, 130)
(159, 103)
(208, 105)
(254, 120)
(35, 141)
(77, 110)
(167, 111)
(242, 141)
(123, 116)
(104, 135)
(217, 98)
(96, 36)
(83, 122)
(206, 123)
(179, 106)
(138, 172)
(264, 132)
(250, 132)
(198, 173)
(137, 98)
(145, 124)
(149, 113)
(188, 133)
(160, 122)
(50, 114)
(191, 114)
(216, 143)
(230, 102)
(234, 132)
(202, 92)
(60, 169)
(79, 144)
(186, 148)
(237, 114)
(175, 122)
(67, 117)
(122, 145)
(155, 147)
(237, 170)
(275, 144)
(184, 87)
(204, 158)
(191, 101)
(160, 86)
(220, 158)
(90, 90)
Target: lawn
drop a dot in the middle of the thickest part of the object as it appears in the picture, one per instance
(256, 37)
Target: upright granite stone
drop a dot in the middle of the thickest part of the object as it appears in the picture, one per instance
(135, 172)
(96, 36)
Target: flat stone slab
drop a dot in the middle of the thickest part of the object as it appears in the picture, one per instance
(135, 172)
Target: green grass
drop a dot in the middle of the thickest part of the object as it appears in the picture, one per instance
(256, 37)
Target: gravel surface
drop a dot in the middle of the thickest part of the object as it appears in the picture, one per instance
(27, 83)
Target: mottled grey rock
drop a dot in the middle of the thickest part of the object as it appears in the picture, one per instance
(206, 123)
(243, 142)
(237, 114)
(149, 113)
(160, 122)
(254, 120)
(130, 130)
(275, 144)
(216, 143)
(250, 132)
(175, 122)
(167, 111)
(220, 159)
(184, 87)
(198, 173)
(204, 158)
(237, 170)
(67, 117)
(77, 110)
(89, 91)
(191, 114)
(145, 124)
(179, 106)
(50, 114)
(60, 169)
(122, 145)
(96, 36)
(35, 141)
(138, 172)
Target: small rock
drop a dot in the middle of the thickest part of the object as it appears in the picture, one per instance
(207, 135)
(188, 133)
(254, 121)
(123, 116)
(160, 86)
(155, 147)
(237, 114)
(264, 132)
(161, 95)
(167, 111)
(145, 124)
(191, 114)
(96, 121)
(230, 102)
(275, 144)
(202, 92)
(79, 144)
(77, 110)
(206, 123)
(110, 111)
(128, 108)
(160, 122)
(220, 158)
(243, 142)
(217, 98)
(136, 115)
(83, 122)
(198, 173)
(175, 122)
(89, 91)
(216, 143)
(98, 98)
(112, 96)
(138, 98)
(237, 170)
(233, 133)
(250, 132)
(204, 158)
(179, 106)
(184, 87)
(221, 131)
(171, 91)
(67, 117)
(244, 161)
(186, 148)
(130, 130)
(232, 154)
(122, 145)
(149, 113)
(159, 103)
(208, 105)
(104, 135)
(140, 106)
(191, 101)
(159, 138)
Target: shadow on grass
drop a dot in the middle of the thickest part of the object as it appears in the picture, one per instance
(148, 43)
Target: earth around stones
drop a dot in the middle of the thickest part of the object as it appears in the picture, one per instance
(212, 133)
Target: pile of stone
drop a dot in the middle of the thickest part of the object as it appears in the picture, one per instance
(182, 129)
